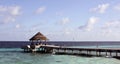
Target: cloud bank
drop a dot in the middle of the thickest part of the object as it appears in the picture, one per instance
(100, 8)
(90, 24)
(9, 13)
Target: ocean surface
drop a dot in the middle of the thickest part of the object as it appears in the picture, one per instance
(10, 53)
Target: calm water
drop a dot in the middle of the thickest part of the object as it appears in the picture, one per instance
(16, 56)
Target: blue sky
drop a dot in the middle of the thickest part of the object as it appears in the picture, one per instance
(60, 20)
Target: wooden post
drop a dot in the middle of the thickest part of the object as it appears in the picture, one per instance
(64, 50)
(99, 53)
(110, 53)
(96, 53)
(24, 50)
(79, 51)
(89, 52)
(56, 50)
(37, 42)
(116, 53)
(72, 51)
(106, 53)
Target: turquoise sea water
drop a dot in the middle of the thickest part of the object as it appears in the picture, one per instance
(16, 56)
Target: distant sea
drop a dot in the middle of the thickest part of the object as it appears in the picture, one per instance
(18, 44)
(10, 53)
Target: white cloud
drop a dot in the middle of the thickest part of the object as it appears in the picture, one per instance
(18, 26)
(9, 13)
(37, 26)
(67, 31)
(90, 24)
(11, 10)
(59, 13)
(100, 8)
(115, 24)
(111, 26)
(15, 10)
(8, 19)
(65, 21)
(3, 9)
(40, 10)
(117, 7)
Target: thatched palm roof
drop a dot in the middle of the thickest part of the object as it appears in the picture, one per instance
(38, 36)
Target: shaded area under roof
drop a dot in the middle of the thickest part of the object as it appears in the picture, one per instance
(38, 36)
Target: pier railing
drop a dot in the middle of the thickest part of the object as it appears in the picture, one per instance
(89, 51)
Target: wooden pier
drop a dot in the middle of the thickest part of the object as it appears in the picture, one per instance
(106, 52)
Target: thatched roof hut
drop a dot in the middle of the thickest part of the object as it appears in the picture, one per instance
(38, 37)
